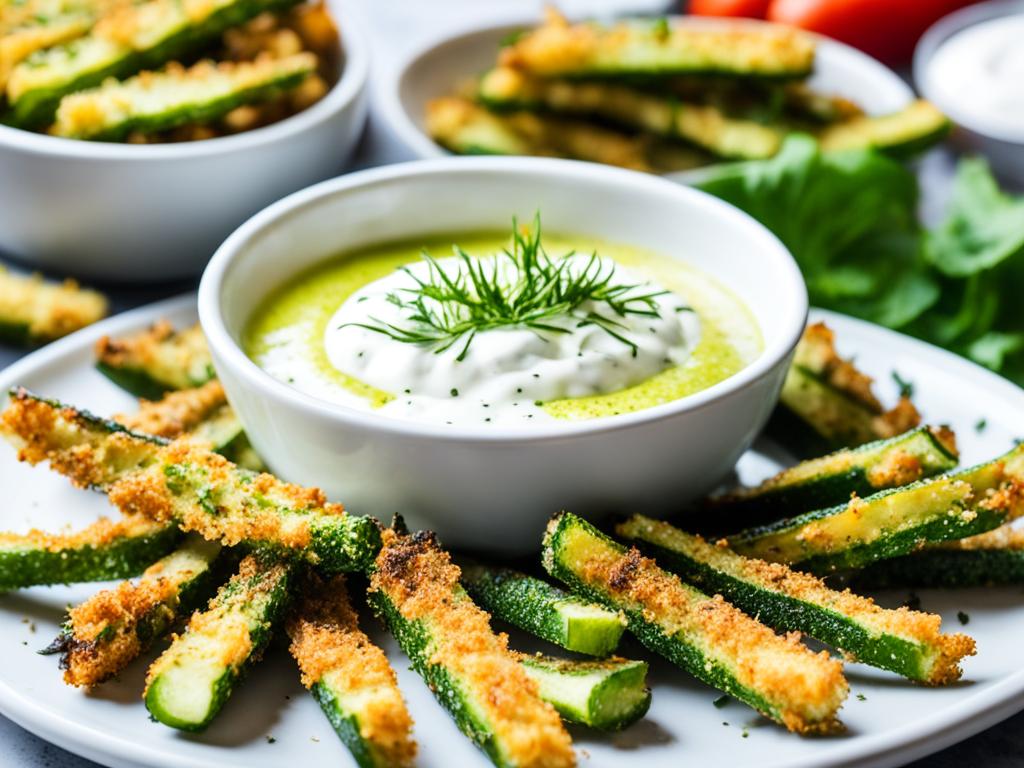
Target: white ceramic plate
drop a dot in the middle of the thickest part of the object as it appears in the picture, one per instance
(894, 723)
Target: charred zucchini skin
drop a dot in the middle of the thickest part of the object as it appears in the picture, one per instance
(544, 610)
(945, 569)
(125, 556)
(831, 480)
(261, 599)
(787, 613)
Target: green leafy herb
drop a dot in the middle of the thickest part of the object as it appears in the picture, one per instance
(906, 387)
(519, 287)
(962, 617)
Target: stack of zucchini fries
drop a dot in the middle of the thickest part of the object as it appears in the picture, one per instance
(228, 555)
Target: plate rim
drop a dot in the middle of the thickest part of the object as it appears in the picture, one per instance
(961, 721)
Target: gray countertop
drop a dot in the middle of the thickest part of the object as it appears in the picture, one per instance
(406, 24)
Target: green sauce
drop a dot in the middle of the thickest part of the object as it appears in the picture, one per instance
(298, 313)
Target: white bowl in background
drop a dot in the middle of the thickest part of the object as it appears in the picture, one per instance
(1004, 149)
(485, 488)
(439, 68)
(126, 213)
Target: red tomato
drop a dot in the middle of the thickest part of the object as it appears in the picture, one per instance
(886, 29)
(754, 9)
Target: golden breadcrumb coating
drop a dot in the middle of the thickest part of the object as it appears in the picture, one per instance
(329, 647)
(178, 359)
(102, 532)
(177, 412)
(47, 310)
(420, 580)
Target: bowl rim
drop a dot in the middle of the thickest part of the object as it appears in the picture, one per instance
(936, 36)
(354, 76)
(419, 142)
(775, 352)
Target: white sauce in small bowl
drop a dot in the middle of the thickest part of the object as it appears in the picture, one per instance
(979, 73)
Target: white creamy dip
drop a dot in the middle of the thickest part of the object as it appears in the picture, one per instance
(979, 73)
(505, 373)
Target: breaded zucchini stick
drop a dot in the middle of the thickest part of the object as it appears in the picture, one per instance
(113, 627)
(189, 485)
(415, 589)
(706, 636)
(33, 311)
(104, 550)
(907, 642)
(912, 129)
(156, 361)
(350, 677)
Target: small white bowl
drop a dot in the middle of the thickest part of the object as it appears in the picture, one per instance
(496, 488)
(126, 213)
(1004, 149)
(439, 68)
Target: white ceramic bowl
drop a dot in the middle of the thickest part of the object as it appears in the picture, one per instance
(126, 212)
(439, 68)
(1004, 149)
(496, 488)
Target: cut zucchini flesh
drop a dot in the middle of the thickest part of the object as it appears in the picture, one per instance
(906, 642)
(466, 128)
(157, 101)
(113, 627)
(607, 694)
(104, 550)
(827, 403)
(894, 522)
(130, 39)
(34, 311)
(350, 677)
(588, 50)
(706, 636)
(18, 44)
(829, 480)
(913, 129)
(544, 610)
(415, 589)
(157, 360)
(185, 483)
(192, 680)
(995, 558)
(705, 126)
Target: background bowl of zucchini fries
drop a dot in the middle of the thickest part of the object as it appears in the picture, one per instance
(492, 487)
(138, 136)
(472, 93)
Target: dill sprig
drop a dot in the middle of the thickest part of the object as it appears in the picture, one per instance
(518, 287)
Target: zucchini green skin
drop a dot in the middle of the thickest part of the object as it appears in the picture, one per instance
(945, 569)
(688, 557)
(346, 725)
(36, 108)
(23, 565)
(902, 134)
(941, 509)
(260, 598)
(15, 334)
(608, 695)
(544, 610)
(831, 480)
(135, 381)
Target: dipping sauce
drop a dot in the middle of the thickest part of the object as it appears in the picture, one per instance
(651, 330)
(979, 71)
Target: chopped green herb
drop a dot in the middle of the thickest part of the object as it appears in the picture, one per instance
(980, 425)
(721, 701)
(454, 392)
(861, 697)
(963, 617)
(906, 387)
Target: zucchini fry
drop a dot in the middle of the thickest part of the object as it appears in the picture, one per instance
(828, 404)
(913, 129)
(415, 589)
(113, 627)
(192, 680)
(544, 610)
(606, 694)
(156, 361)
(706, 636)
(894, 522)
(506, 89)
(105, 550)
(829, 480)
(189, 485)
(33, 311)
(906, 642)
(995, 558)
(657, 48)
(350, 677)
(157, 101)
